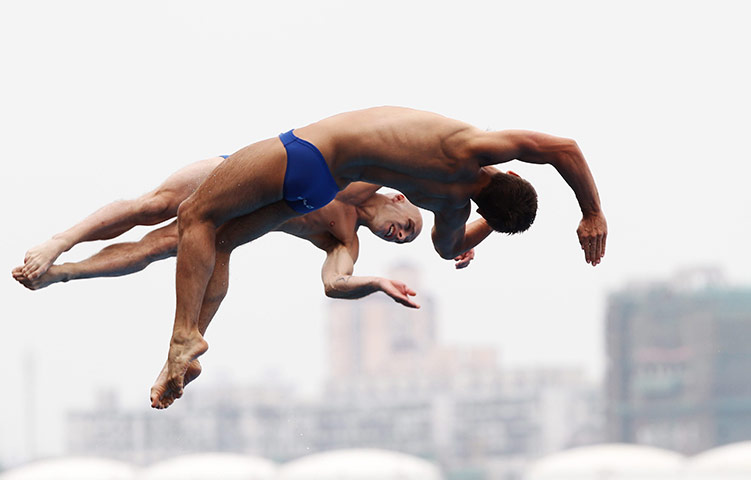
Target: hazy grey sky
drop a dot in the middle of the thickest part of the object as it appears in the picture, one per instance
(102, 100)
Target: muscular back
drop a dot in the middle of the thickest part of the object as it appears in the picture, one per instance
(422, 154)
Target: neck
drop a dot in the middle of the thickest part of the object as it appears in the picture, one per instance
(483, 178)
(367, 209)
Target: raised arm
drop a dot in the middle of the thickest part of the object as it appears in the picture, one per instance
(339, 282)
(563, 154)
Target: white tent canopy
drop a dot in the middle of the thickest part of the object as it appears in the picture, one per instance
(728, 462)
(72, 468)
(359, 464)
(226, 466)
(609, 462)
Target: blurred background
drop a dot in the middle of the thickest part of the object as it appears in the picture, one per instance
(529, 364)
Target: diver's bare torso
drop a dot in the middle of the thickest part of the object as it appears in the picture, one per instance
(422, 154)
(334, 223)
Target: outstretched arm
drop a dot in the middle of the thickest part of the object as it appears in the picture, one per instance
(339, 282)
(563, 154)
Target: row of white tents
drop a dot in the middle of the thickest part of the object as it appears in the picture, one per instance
(639, 462)
(358, 464)
(597, 462)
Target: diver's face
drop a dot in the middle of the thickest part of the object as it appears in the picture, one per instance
(397, 220)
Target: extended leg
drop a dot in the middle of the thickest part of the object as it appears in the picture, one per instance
(112, 261)
(118, 217)
(247, 181)
(231, 235)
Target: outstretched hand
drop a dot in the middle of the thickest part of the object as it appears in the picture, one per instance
(399, 292)
(463, 260)
(593, 232)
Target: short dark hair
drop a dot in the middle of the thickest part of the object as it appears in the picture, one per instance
(508, 203)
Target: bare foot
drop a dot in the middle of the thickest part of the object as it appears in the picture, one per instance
(38, 259)
(56, 273)
(193, 371)
(183, 350)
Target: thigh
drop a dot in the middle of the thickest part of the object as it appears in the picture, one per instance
(181, 184)
(247, 228)
(248, 180)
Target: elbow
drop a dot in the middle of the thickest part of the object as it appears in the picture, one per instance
(564, 152)
(332, 289)
(446, 254)
(569, 146)
(329, 290)
(440, 245)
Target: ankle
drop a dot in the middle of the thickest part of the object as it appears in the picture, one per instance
(181, 337)
(65, 244)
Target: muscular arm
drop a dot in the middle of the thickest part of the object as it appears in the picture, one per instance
(454, 239)
(451, 236)
(540, 148)
(566, 157)
(339, 282)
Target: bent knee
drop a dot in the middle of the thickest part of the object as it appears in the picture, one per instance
(156, 207)
(163, 246)
(192, 212)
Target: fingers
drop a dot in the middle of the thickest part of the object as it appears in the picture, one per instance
(589, 251)
(464, 259)
(408, 302)
(594, 248)
(402, 297)
(592, 251)
(592, 232)
(403, 288)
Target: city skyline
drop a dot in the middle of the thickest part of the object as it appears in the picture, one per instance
(391, 384)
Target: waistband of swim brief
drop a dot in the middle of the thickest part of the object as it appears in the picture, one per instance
(288, 137)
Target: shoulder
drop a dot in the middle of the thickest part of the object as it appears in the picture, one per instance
(462, 142)
(338, 221)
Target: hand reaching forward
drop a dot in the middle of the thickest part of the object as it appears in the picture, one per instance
(463, 260)
(399, 292)
(593, 232)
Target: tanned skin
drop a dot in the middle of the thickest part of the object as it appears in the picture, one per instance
(439, 163)
(333, 228)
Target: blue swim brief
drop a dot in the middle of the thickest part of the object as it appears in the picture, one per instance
(308, 184)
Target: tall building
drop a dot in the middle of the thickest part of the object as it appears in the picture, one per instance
(454, 404)
(376, 336)
(679, 362)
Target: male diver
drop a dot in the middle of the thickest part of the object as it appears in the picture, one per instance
(334, 229)
(440, 164)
